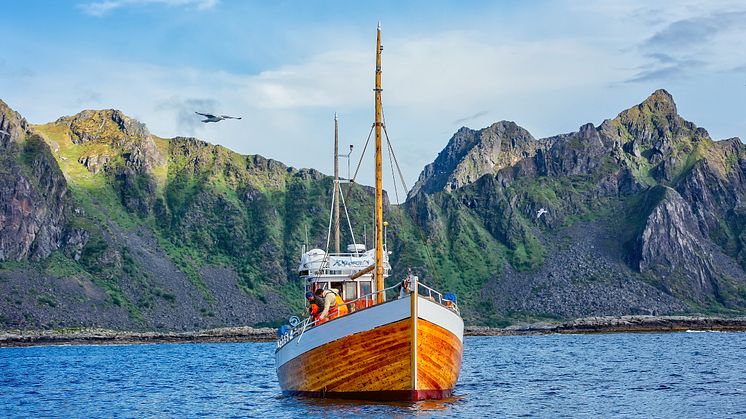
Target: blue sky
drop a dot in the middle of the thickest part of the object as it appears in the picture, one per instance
(287, 66)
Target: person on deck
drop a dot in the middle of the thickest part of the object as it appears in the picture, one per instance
(314, 304)
(334, 306)
(313, 312)
(404, 288)
(314, 299)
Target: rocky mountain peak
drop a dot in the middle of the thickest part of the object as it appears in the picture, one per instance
(653, 133)
(654, 123)
(470, 154)
(120, 134)
(107, 125)
(661, 102)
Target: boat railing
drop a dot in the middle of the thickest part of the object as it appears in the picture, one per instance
(325, 267)
(436, 296)
(367, 301)
(309, 322)
(346, 271)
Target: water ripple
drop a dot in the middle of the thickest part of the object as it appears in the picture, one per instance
(614, 375)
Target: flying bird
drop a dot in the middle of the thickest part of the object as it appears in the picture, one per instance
(540, 212)
(215, 118)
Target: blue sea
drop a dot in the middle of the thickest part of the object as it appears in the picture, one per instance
(610, 375)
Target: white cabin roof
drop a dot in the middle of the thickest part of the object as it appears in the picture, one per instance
(317, 262)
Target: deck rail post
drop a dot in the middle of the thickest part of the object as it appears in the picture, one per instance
(414, 293)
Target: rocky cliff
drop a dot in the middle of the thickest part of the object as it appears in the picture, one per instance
(103, 224)
(33, 193)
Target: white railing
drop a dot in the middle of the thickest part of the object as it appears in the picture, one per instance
(434, 295)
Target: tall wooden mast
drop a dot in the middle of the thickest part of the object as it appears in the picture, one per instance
(379, 174)
(336, 183)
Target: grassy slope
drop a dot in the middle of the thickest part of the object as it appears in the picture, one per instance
(213, 207)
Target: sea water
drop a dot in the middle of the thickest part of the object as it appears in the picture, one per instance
(608, 375)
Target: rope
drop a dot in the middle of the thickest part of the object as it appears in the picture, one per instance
(362, 154)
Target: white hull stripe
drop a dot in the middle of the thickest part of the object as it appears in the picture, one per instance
(441, 316)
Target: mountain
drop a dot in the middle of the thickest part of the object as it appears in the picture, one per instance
(643, 216)
(104, 224)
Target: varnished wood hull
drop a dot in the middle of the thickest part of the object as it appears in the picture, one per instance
(377, 362)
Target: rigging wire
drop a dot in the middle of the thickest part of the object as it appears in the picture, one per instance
(401, 177)
(347, 215)
(391, 163)
(362, 154)
(428, 254)
(331, 212)
(398, 169)
(394, 162)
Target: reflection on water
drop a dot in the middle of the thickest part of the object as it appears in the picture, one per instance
(628, 375)
(367, 407)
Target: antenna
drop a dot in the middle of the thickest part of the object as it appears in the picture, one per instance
(348, 162)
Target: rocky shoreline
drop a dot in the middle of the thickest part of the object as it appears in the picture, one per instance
(611, 324)
(618, 324)
(116, 337)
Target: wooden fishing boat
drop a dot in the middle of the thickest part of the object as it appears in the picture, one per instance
(404, 342)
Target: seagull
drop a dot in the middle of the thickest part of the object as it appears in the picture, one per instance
(215, 118)
(540, 212)
(4, 133)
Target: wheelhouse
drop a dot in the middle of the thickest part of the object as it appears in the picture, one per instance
(342, 272)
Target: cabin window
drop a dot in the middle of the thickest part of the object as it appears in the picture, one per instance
(364, 288)
(350, 291)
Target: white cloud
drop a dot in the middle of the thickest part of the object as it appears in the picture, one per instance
(547, 82)
(287, 111)
(103, 7)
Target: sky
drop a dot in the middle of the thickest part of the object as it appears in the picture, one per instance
(286, 67)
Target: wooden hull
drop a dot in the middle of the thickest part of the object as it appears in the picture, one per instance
(381, 353)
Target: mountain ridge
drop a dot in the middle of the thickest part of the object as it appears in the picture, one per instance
(136, 231)
(596, 174)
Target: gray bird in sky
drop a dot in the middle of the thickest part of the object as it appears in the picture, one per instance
(215, 118)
